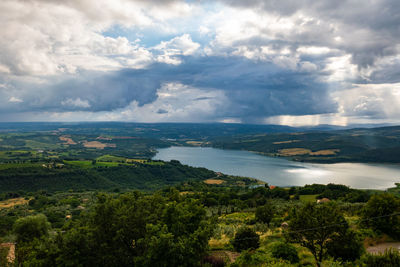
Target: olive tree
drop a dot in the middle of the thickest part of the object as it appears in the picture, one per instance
(314, 226)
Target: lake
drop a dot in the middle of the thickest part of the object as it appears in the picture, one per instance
(282, 172)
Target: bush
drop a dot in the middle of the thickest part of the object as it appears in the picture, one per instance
(213, 261)
(31, 227)
(285, 251)
(258, 258)
(252, 258)
(246, 238)
(388, 259)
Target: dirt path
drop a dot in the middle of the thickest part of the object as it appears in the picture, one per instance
(232, 255)
(380, 248)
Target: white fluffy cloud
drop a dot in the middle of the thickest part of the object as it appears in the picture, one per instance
(52, 37)
(178, 46)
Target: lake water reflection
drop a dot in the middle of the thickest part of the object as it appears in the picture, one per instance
(282, 172)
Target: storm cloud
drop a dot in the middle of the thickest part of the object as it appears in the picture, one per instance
(232, 61)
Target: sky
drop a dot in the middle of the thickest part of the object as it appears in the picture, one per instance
(290, 62)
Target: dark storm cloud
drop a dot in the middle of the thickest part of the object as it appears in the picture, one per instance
(387, 74)
(254, 89)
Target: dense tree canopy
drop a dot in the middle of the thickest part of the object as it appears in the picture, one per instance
(131, 230)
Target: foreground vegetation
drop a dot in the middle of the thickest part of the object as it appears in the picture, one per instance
(196, 223)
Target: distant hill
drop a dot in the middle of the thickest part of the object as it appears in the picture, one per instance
(150, 130)
(324, 143)
(353, 145)
(135, 176)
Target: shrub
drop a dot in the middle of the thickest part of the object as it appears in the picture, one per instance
(258, 258)
(388, 259)
(31, 227)
(285, 251)
(213, 261)
(246, 238)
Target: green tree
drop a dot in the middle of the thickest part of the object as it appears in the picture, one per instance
(346, 246)
(246, 238)
(30, 227)
(34, 248)
(313, 226)
(265, 213)
(382, 213)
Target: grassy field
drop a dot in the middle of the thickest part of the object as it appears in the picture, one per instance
(308, 198)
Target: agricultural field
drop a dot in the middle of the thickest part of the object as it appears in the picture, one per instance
(57, 145)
